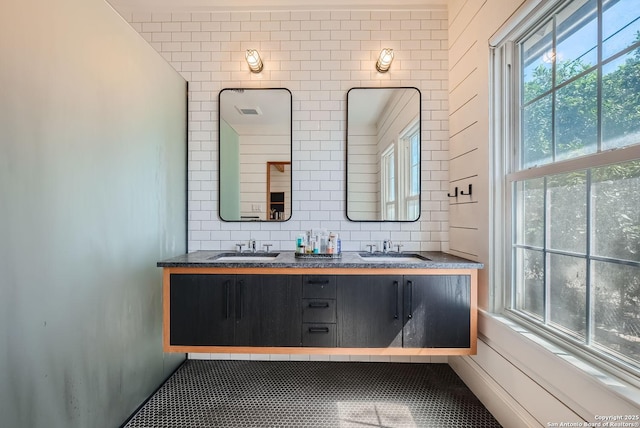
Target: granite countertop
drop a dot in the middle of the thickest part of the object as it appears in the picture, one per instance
(349, 260)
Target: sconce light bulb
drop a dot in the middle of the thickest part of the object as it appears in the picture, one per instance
(384, 60)
(549, 56)
(254, 60)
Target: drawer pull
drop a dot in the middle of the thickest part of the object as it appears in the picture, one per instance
(318, 305)
(318, 329)
(318, 281)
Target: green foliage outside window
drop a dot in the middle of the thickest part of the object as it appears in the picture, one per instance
(581, 230)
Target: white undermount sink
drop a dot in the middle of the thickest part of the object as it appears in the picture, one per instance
(393, 258)
(245, 257)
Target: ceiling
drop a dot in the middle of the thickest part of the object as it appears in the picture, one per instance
(366, 104)
(273, 105)
(163, 6)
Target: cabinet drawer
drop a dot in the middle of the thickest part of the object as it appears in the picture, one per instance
(318, 310)
(319, 335)
(319, 287)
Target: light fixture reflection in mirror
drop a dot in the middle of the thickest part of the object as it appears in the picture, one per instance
(383, 154)
(254, 141)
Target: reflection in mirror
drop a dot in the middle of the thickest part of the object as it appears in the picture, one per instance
(254, 154)
(383, 154)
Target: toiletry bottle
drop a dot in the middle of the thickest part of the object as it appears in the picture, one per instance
(331, 243)
(310, 246)
(330, 246)
(338, 244)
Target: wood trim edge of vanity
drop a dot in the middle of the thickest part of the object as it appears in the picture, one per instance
(166, 309)
(319, 271)
(473, 328)
(321, 351)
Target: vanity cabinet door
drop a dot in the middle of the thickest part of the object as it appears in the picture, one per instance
(437, 311)
(268, 311)
(201, 309)
(369, 311)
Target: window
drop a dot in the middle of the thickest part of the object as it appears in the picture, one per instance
(572, 85)
(401, 191)
(411, 187)
(389, 183)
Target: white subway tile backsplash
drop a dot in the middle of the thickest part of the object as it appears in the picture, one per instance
(319, 56)
(140, 17)
(180, 16)
(169, 27)
(210, 26)
(158, 37)
(150, 27)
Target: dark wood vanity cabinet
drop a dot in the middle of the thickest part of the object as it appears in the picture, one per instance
(437, 311)
(370, 311)
(202, 310)
(419, 311)
(270, 307)
(426, 313)
(235, 310)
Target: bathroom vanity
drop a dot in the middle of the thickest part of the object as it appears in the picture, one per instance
(376, 304)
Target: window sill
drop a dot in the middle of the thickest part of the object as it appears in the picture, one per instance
(580, 385)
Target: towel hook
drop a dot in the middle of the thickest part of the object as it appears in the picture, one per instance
(468, 193)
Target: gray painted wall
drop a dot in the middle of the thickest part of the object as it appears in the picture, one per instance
(92, 194)
(229, 172)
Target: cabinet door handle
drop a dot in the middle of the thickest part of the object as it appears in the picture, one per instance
(395, 287)
(318, 281)
(316, 305)
(318, 329)
(410, 284)
(228, 298)
(239, 299)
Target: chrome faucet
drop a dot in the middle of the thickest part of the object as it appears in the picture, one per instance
(252, 245)
(371, 247)
(386, 246)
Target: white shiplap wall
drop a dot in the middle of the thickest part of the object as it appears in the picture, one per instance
(255, 152)
(364, 173)
(521, 379)
(319, 56)
(468, 160)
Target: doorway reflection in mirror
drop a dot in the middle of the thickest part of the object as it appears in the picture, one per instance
(255, 154)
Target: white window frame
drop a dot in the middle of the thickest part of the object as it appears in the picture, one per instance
(504, 133)
(404, 184)
(401, 151)
(390, 151)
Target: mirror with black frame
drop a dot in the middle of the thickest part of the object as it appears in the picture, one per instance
(254, 142)
(383, 154)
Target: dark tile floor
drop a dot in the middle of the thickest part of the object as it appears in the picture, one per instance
(312, 394)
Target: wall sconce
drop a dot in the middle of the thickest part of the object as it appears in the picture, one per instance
(384, 60)
(254, 61)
